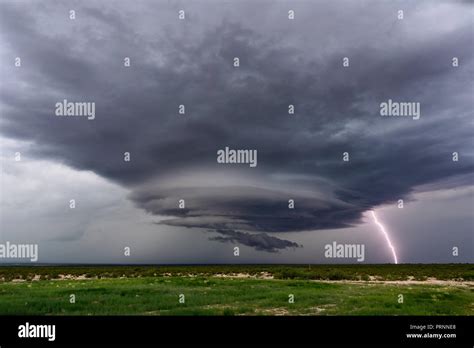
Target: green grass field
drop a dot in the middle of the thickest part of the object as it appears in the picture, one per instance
(238, 290)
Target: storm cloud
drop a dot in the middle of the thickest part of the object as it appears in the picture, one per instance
(259, 241)
(190, 62)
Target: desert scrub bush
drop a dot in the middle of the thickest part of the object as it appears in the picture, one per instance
(287, 274)
(337, 275)
(229, 312)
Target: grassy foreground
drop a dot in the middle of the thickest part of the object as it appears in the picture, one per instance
(235, 290)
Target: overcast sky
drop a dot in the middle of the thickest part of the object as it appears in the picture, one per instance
(300, 157)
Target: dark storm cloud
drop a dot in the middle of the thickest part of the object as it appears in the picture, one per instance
(190, 63)
(259, 241)
(251, 208)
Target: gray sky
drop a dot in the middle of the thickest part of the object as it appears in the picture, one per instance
(173, 157)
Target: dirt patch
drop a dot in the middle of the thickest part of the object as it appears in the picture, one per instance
(261, 275)
(428, 281)
(273, 311)
(71, 277)
(321, 308)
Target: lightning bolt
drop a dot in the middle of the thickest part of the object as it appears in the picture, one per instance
(387, 238)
